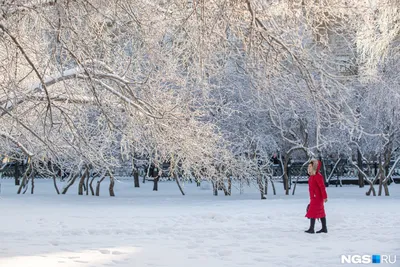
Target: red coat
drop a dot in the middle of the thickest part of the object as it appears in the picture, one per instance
(316, 187)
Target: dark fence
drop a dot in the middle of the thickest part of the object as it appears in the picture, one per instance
(344, 173)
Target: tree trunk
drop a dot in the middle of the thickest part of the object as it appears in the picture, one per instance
(21, 184)
(286, 175)
(386, 188)
(87, 181)
(135, 173)
(385, 175)
(389, 176)
(338, 181)
(371, 188)
(381, 175)
(26, 185)
(266, 185)
(360, 165)
(215, 188)
(285, 166)
(273, 187)
(91, 184)
(380, 185)
(98, 185)
(260, 187)
(81, 182)
(155, 184)
(223, 188)
(294, 187)
(24, 179)
(136, 178)
(55, 184)
(16, 173)
(32, 184)
(32, 174)
(333, 171)
(230, 186)
(371, 184)
(178, 183)
(147, 173)
(70, 182)
(112, 183)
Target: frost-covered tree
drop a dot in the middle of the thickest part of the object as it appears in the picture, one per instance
(213, 87)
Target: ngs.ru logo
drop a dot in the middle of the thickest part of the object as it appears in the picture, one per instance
(367, 259)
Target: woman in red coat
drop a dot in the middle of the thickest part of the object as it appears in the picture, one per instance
(318, 196)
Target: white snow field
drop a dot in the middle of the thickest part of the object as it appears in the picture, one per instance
(140, 228)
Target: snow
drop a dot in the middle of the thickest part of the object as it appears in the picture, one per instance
(140, 227)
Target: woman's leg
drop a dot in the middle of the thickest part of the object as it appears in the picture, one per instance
(312, 225)
(324, 228)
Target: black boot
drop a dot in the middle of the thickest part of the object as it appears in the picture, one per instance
(311, 229)
(324, 229)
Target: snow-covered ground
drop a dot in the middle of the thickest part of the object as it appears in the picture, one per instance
(140, 227)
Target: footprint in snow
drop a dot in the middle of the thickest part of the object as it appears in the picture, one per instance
(192, 246)
(104, 251)
(324, 248)
(54, 243)
(255, 250)
(224, 253)
(117, 253)
(67, 250)
(81, 261)
(193, 257)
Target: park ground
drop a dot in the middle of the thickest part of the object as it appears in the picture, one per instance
(140, 228)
